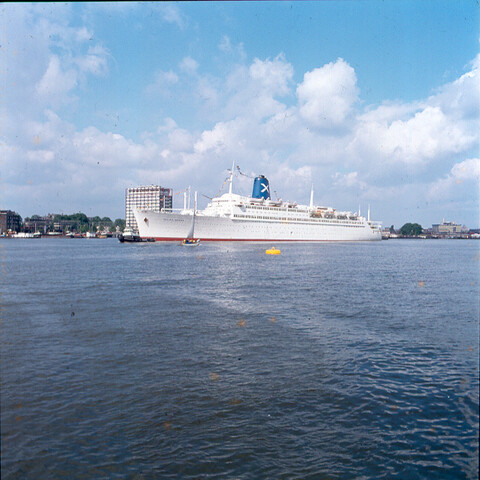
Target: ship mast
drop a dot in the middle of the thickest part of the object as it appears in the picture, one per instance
(230, 188)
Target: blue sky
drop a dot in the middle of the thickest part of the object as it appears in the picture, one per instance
(374, 102)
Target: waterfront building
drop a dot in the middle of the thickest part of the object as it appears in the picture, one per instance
(448, 228)
(152, 197)
(37, 223)
(9, 221)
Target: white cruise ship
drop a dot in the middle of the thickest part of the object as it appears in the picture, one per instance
(258, 218)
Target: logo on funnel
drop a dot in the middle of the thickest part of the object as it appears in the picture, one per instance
(261, 188)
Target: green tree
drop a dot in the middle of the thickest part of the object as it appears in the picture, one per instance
(411, 230)
(95, 222)
(79, 218)
(120, 223)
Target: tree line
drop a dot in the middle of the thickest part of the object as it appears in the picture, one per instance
(79, 222)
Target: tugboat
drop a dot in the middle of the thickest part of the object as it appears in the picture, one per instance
(129, 235)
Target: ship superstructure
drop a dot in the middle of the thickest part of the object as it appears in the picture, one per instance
(233, 217)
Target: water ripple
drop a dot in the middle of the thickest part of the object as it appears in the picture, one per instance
(330, 362)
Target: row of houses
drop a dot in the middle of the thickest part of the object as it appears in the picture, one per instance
(153, 197)
(11, 222)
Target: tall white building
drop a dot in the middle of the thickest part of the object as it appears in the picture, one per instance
(151, 197)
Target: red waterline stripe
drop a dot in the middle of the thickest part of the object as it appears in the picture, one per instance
(169, 239)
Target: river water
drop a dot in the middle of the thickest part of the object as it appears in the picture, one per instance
(329, 361)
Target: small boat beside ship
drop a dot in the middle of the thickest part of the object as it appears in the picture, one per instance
(129, 235)
(190, 240)
(27, 235)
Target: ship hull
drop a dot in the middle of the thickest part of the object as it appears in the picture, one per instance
(165, 226)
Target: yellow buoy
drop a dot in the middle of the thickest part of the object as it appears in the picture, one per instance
(273, 251)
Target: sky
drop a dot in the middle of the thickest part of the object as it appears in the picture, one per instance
(371, 102)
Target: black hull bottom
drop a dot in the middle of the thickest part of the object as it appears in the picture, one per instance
(134, 239)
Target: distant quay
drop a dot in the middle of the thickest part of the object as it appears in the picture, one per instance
(76, 225)
(30, 235)
(444, 230)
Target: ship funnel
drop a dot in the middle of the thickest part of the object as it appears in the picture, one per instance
(261, 188)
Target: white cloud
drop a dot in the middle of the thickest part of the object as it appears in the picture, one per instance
(41, 156)
(461, 98)
(62, 75)
(290, 182)
(349, 180)
(225, 44)
(169, 125)
(189, 65)
(172, 14)
(47, 56)
(180, 140)
(396, 141)
(228, 48)
(162, 83)
(389, 112)
(249, 114)
(273, 76)
(83, 34)
(208, 93)
(252, 92)
(56, 83)
(467, 170)
(215, 139)
(418, 140)
(327, 95)
(457, 181)
(94, 61)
